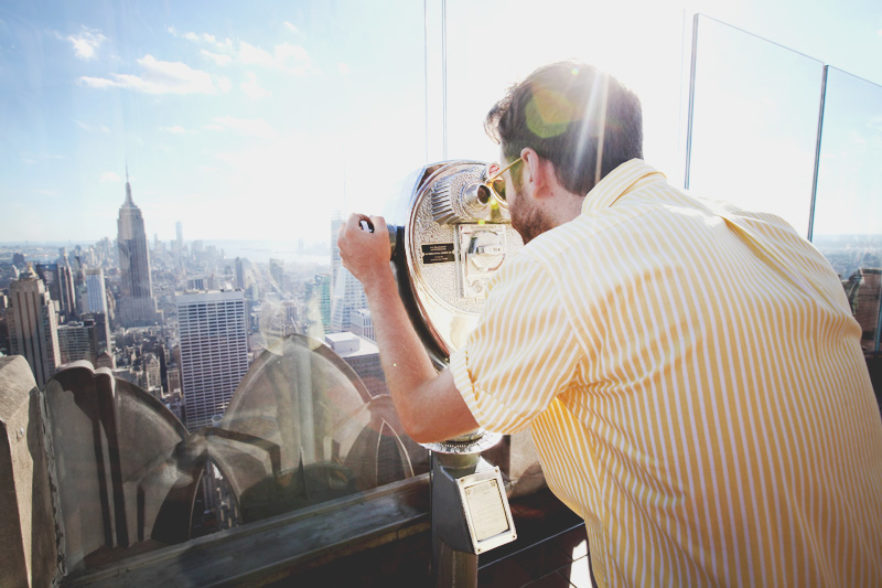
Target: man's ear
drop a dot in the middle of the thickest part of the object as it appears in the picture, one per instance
(531, 165)
(535, 172)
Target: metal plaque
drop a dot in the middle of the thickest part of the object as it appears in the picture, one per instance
(487, 513)
(482, 250)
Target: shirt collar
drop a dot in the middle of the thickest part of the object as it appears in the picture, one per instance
(625, 178)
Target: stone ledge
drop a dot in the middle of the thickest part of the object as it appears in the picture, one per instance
(28, 551)
(269, 551)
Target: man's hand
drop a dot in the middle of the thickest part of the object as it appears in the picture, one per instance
(366, 253)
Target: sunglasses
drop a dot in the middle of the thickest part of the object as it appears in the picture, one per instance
(495, 184)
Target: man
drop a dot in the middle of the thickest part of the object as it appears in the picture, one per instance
(691, 373)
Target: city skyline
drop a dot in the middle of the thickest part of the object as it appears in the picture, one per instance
(84, 293)
(316, 120)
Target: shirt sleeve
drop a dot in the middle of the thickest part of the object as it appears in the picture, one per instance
(521, 354)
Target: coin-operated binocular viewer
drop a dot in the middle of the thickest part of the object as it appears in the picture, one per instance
(455, 237)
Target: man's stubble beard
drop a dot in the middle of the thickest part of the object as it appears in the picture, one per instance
(528, 220)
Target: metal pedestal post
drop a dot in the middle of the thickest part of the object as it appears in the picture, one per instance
(470, 513)
(453, 565)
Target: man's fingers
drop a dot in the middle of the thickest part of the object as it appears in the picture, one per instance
(362, 223)
(353, 221)
(379, 224)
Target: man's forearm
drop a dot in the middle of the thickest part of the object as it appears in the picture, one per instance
(429, 406)
(405, 361)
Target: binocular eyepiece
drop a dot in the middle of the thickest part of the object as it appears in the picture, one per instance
(453, 194)
(462, 197)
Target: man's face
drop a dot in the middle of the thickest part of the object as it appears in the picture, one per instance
(527, 218)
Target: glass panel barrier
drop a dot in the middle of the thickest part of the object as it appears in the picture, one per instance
(848, 206)
(754, 122)
(301, 429)
(492, 45)
(174, 186)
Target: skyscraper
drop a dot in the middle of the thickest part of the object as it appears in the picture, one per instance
(100, 331)
(214, 352)
(336, 261)
(240, 273)
(277, 275)
(33, 325)
(96, 293)
(77, 340)
(347, 293)
(363, 356)
(67, 296)
(136, 304)
(362, 324)
(81, 291)
(320, 295)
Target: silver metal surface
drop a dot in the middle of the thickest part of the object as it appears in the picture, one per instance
(472, 443)
(453, 244)
(456, 199)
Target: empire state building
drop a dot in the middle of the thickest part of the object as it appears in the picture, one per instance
(136, 304)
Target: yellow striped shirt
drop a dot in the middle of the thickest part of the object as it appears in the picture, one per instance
(695, 386)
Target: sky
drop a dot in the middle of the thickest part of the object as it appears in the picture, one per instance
(263, 120)
(240, 120)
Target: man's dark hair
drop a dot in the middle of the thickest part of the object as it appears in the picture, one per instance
(557, 112)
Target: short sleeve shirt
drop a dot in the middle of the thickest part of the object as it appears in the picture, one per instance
(693, 380)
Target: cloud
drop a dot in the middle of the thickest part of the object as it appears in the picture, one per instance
(251, 127)
(218, 58)
(251, 55)
(176, 130)
(293, 58)
(291, 27)
(86, 43)
(343, 68)
(252, 87)
(224, 84)
(190, 36)
(110, 177)
(162, 77)
(287, 57)
(104, 129)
